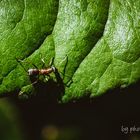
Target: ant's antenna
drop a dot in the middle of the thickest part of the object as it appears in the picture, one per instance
(51, 62)
(43, 61)
(35, 66)
(64, 70)
(19, 61)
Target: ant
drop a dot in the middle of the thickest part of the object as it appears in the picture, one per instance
(34, 74)
(47, 71)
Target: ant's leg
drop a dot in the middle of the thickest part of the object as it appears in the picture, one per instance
(35, 82)
(44, 64)
(47, 77)
(51, 61)
(44, 78)
(64, 70)
(68, 83)
(43, 61)
(20, 62)
(26, 92)
(58, 74)
(35, 66)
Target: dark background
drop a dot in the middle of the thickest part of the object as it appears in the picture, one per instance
(101, 118)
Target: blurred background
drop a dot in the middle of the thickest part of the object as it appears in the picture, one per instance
(108, 117)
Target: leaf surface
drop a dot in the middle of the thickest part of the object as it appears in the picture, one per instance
(95, 44)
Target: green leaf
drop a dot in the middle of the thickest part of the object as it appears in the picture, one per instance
(95, 44)
(115, 59)
(25, 25)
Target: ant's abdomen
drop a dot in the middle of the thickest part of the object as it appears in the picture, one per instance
(33, 71)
